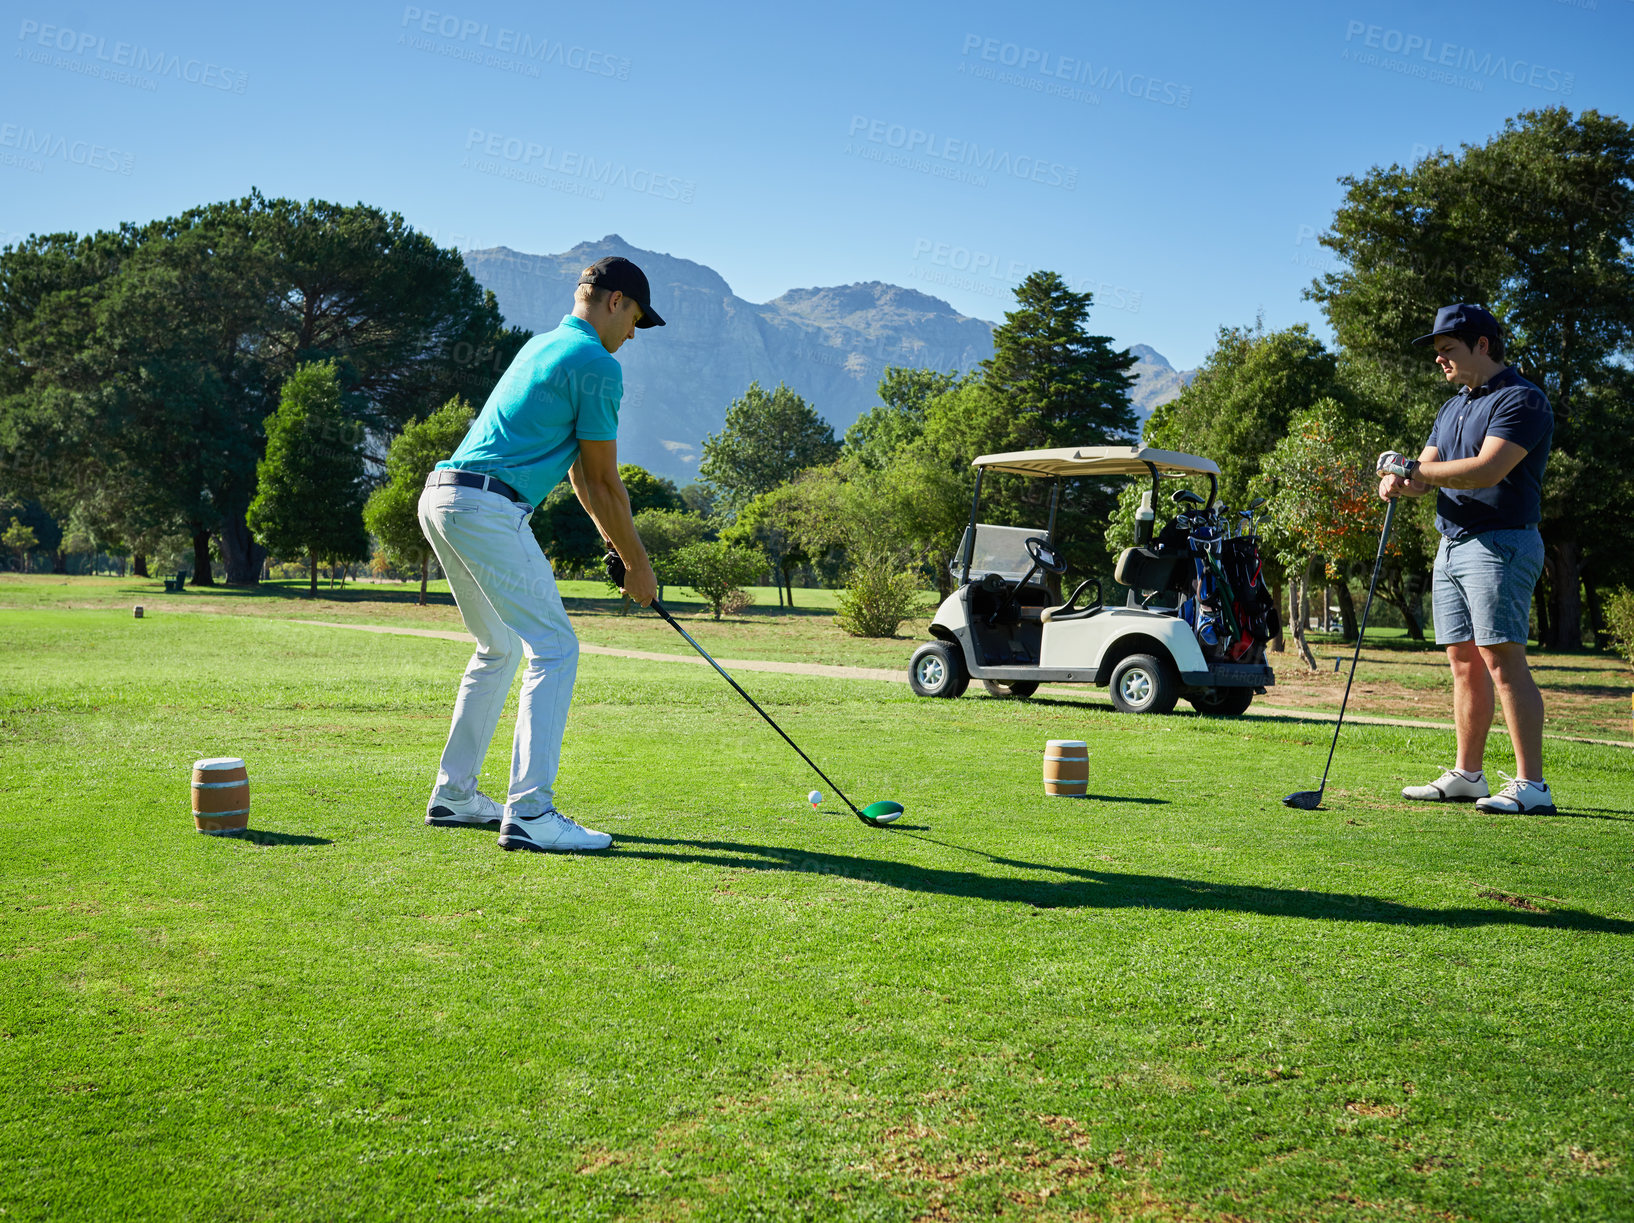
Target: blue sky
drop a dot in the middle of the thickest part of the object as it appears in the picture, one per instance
(1177, 159)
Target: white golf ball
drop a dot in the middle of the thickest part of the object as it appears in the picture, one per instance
(814, 797)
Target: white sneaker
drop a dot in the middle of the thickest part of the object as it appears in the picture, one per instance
(478, 809)
(1520, 797)
(1451, 787)
(548, 831)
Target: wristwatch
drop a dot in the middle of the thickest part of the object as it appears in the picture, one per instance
(1412, 470)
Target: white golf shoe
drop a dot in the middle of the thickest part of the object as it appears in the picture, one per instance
(549, 832)
(478, 809)
(1520, 797)
(1451, 787)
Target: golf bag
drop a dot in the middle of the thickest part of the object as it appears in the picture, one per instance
(1228, 604)
(1255, 610)
(1209, 609)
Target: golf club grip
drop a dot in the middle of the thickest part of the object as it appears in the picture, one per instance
(1361, 632)
(673, 623)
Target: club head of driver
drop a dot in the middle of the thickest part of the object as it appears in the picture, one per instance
(1305, 800)
(883, 812)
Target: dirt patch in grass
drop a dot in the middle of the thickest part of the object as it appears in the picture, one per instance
(598, 1160)
(1514, 902)
(1589, 1163)
(1364, 1108)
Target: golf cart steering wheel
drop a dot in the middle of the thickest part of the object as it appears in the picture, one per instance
(1044, 556)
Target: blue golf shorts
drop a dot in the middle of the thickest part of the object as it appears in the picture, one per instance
(1483, 586)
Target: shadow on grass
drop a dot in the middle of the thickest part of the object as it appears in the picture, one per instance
(1591, 813)
(693, 609)
(1426, 661)
(1323, 719)
(1098, 889)
(295, 593)
(1431, 652)
(1050, 702)
(1614, 687)
(1401, 644)
(257, 836)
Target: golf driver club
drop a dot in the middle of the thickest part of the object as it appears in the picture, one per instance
(875, 815)
(1310, 800)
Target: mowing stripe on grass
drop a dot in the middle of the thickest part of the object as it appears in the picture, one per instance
(737, 664)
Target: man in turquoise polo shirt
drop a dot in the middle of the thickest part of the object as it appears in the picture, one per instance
(554, 412)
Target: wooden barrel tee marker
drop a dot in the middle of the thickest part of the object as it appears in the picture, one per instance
(1066, 768)
(221, 795)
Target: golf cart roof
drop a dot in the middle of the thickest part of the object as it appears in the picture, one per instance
(1097, 461)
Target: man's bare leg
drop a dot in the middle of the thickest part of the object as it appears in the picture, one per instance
(1472, 703)
(1522, 704)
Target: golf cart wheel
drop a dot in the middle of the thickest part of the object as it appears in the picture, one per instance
(1010, 689)
(938, 669)
(1222, 702)
(1143, 684)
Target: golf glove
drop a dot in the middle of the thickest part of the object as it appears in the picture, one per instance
(615, 568)
(1392, 463)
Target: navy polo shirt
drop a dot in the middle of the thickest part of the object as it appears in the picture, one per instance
(1509, 407)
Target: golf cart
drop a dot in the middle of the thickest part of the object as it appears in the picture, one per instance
(1194, 622)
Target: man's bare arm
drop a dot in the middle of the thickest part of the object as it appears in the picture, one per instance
(594, 476)
(1498, 457)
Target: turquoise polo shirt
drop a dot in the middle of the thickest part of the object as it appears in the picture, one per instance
(562, 388)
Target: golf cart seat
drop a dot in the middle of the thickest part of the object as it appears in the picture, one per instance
(1146, 571)
(1067, 611)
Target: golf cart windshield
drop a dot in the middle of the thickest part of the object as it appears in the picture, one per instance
(1000, 550)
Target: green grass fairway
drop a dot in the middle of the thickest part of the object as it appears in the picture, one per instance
(1175, 1000)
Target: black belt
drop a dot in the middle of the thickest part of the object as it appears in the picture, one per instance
(472, 479)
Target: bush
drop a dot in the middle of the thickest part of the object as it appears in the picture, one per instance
(877, 598)
(1619, 613)
(716, 571)
(664, 531)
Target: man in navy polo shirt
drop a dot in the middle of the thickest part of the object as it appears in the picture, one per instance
(1485, 459)
(554, 412)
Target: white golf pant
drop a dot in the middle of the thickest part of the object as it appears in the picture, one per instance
(508, 599)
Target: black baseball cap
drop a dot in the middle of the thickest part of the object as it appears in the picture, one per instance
(617, 274)
(1462, 316)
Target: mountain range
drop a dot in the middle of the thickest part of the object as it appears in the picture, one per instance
(829, 345)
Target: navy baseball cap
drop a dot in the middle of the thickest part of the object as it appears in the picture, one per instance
(617, 274)
(1462, 316)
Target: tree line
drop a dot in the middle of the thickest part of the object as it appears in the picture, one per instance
(142, 370)
(138, 366)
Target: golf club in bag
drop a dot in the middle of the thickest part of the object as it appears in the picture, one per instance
(875, 815)
(1310, 800)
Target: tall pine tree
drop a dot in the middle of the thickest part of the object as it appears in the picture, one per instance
(1048, 384)
(1065, 386)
